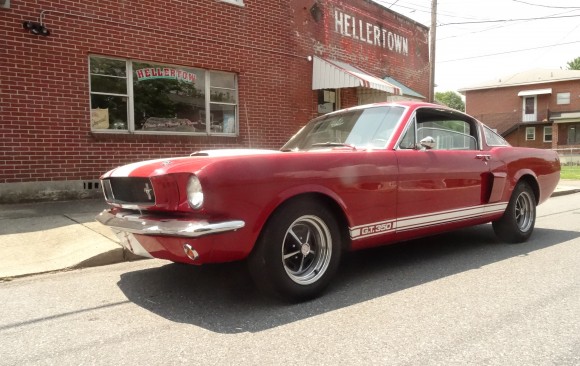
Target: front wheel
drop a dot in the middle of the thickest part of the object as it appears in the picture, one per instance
(298, 251)
(517, 223)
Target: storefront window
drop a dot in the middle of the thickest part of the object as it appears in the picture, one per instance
(223, 102)
(109, 107)
(141, 97)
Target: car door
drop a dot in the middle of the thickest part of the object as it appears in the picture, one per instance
(441, 171)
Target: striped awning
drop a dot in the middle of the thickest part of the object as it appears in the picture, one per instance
(335, 75)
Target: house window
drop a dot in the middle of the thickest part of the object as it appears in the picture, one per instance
(547, 133)
(145, 97)
(563, 98)
(530, 133)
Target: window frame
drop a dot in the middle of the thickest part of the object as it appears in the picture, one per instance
(447, 116)
(533, 129)
(131, 128)
(563, 98)
(545, 134)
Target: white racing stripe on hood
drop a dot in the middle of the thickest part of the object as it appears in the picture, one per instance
(126, 170)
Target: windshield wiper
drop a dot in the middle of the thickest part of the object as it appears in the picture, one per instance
(334, 144)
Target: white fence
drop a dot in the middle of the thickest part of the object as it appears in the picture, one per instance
(569, 156)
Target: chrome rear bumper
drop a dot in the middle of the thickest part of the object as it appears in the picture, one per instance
(151, 225)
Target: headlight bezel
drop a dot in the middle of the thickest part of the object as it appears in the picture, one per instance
(194, 189)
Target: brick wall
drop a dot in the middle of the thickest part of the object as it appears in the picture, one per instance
(518, 137)
(501, 108)
(44, 88)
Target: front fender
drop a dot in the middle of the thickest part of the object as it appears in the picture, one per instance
(293, 192)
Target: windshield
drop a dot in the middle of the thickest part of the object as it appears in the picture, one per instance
(368, 128)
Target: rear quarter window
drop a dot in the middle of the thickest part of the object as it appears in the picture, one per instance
(492, 138)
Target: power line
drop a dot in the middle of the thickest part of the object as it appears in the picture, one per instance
(546, 6)
(508, 52)
(510, 20)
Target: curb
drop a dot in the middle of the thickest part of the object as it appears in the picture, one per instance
(565, 192)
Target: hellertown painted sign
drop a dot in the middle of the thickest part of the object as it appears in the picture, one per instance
(363, 31)
(164, 73)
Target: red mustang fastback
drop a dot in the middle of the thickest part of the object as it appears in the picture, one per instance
(357, 178)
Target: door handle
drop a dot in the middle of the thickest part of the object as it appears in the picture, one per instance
(484, 157)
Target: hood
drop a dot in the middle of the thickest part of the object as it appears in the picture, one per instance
(192, 163)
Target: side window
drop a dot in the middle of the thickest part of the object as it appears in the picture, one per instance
(450, 132)
(493, 139)
(408, 140)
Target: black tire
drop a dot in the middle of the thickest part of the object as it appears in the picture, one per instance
(298, 251)
(517, 223)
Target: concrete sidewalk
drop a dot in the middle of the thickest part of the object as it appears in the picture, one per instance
(53, 236)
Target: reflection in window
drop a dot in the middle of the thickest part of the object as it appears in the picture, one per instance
(223, 102)
(369, 128)
(166, 99)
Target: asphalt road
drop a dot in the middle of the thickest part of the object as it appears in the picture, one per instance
(455, 299)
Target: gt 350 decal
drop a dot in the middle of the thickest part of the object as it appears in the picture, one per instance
(372, 229)
(422, 221)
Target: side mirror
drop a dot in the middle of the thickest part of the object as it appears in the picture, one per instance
(427, 143)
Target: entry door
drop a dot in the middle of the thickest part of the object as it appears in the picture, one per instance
(530, 109)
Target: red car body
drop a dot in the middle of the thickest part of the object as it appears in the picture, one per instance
(376, 195)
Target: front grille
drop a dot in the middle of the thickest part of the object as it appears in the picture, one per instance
(129, 190)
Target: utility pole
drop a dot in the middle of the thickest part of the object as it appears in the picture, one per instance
(433, 35)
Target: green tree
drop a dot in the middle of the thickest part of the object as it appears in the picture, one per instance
(450, 99)
(574, 64)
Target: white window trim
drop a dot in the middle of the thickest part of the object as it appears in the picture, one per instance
(565, 96)
(534, 133)
(546, 127)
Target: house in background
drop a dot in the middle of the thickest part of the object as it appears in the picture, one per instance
(537, 108)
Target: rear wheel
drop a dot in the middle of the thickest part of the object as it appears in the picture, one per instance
(517, 223)
(298, 251)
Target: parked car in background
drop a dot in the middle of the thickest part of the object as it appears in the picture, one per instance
(352, 179)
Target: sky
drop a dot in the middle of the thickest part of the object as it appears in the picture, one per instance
(482, 40)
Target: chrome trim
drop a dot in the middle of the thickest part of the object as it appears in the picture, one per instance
(151, 225)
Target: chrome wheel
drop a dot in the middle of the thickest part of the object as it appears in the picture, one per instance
(306, 250)
(517, 223)
(524, 211)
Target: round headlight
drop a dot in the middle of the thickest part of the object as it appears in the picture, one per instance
(194, 192)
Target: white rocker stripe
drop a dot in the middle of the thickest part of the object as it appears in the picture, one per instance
(426, 220)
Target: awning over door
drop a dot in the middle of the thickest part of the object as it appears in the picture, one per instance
(335, 75)
(527, 93)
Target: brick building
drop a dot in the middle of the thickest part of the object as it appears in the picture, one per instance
(537, 108)
(87, 86)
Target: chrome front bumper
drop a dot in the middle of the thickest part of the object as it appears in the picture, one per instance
(150, 225)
